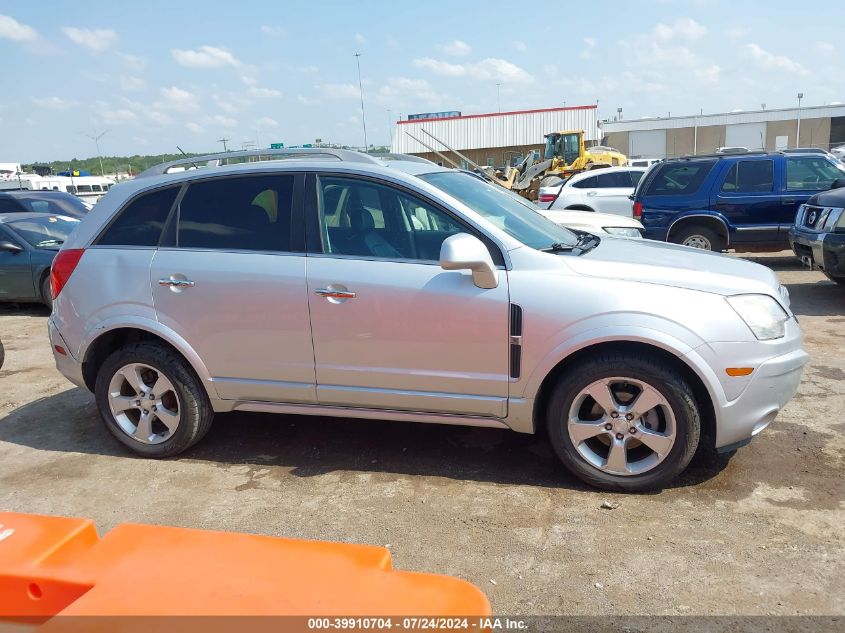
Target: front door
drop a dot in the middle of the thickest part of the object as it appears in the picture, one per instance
(391, 329)
(15, 270)
(231, 282)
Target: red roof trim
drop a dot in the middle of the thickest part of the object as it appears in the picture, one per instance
(479, 116)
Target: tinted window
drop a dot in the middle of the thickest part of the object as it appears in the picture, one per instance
(811, 173)
(679, 178)
(366, 219)
(635, 177)
(251, 213)
(9, 206)
(84, 188)
(750, 176)
(614, 179)
(62, 205)
(71, 189)
(141, 222)
(587, 183)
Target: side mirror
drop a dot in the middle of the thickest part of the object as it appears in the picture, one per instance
(466, 252)
(838, 183)
(10, 247)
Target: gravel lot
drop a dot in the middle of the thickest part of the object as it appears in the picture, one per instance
(762, 534)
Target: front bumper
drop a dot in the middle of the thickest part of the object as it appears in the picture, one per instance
(771, 386)
(67, 365)
(824, 251)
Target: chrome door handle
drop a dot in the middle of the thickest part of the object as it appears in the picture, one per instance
(176, 283)
(334, 294)
(592, 193)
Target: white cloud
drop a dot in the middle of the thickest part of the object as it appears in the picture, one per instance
(196, 128)
(264, 92)
(709, 73)
(489, 69)
(310, 70)
(360, 39)
(120, 116)
(266, 121)
(273, 31)
(53, 103)
(339, 91)
(456, 48)
(158, 117)
(737, 32)
(519, 45)
(682, 28)
(824, 47)
(306, 101)
(11, 29)
(249, 81)
(177, 99)
(589, 45)
(405, 90)
(205, 57)
(769, 61)
(133, 62)
(221, 120)
(96, 40)
(131, 84)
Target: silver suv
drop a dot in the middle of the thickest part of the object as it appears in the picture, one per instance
(335, 283)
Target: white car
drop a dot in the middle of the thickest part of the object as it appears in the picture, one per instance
(596, 223)
(603, 190)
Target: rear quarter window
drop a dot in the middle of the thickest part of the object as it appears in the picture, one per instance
(672, 179)
(141, 222)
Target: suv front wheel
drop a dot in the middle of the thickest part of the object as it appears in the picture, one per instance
(623, 422)
(151, 400)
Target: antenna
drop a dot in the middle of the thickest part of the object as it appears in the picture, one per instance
(224, 141)
(361, 90)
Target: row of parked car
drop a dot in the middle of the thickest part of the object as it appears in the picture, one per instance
(763, 201)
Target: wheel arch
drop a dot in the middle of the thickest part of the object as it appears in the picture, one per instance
(109, 339)
(715, 222)
(704, 397)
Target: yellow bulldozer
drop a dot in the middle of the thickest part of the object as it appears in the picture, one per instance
(565, 154)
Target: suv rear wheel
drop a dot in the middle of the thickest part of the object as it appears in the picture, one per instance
(623, 422)
(151, 400)
(835, 278)
(698, 236)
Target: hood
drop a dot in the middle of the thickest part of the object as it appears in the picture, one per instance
(831, 198)
(587, 219)
(647, 261)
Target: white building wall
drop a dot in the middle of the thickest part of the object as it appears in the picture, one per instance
(506, 129)
(749, 135)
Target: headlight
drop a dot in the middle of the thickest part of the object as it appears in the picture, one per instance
(762, 314)
(623, 231)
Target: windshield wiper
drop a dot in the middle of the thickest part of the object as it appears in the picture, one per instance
(584, 243)
(557, 247)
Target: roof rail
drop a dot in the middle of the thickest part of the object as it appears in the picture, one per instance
(292, 153)
(722, 155)
(389, 156)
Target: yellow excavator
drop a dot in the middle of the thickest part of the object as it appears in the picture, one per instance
(565, 154)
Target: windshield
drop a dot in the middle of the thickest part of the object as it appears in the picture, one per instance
(508, 211)
(59, 204)
(49, 231)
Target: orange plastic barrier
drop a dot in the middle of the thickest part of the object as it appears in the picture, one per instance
(59, 566)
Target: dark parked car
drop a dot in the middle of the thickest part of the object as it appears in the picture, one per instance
(818, 236)
(745, 201)
(56, 202)
(28, 243)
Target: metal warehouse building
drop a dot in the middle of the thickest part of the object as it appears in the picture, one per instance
(492, 139)
(815, 126)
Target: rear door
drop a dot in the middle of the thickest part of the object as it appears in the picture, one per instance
(747, 197)
(229, 278)
(612, 193)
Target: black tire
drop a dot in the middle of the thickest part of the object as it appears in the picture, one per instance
(670, 383)
(701, 235)
(835, 279)
(46, 292)
(194, 406)
(2, 354)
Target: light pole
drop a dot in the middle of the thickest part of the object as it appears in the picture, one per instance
(361, 89)
(798, 131)
(96, 138)
(498, 97)
(619, 114)
(390, 126)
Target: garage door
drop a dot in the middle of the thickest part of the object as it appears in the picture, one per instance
(750, 135)
(647, 144)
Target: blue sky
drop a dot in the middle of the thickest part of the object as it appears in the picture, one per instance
(160, 74)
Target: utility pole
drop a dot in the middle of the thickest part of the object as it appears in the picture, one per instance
(224, 141)
(96, 138)
(361, 89)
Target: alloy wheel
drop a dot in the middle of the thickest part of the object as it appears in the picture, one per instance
(144, 403)
(622, 426)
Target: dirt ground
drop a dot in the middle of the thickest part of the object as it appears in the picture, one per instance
(762, 534)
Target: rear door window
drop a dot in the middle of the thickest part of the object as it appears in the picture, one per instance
(587, 183)
(614, 179)
(680, 178)
(750, 176)
(142, 221)
(251, 213)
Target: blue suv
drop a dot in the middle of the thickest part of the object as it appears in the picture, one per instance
(745, 201)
